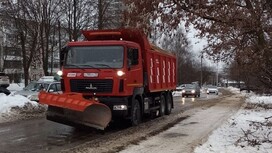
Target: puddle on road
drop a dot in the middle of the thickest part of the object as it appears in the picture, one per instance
(193, 122)
(69, 135)
(174, 135)
(190, 123)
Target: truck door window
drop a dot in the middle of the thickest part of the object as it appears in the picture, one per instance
(133, 56)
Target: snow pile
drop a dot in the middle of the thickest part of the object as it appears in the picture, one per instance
(15, 107)
(249, 130)
(259, 99)
(233, 89)
(7, 102)
(16, 86)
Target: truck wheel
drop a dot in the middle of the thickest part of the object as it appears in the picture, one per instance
(168, 105)
(162, 106)
(136, 117)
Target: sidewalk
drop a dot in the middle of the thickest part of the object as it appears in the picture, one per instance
(188, 134)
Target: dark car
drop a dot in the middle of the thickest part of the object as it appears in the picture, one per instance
(191, 90)
(4, 80)
(4, 90)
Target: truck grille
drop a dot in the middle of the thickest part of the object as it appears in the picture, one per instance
(104, 85)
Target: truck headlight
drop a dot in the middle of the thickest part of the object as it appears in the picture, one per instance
(120, 107)
(60, 73)
(120, 73)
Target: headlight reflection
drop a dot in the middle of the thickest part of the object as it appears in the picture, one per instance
(193, 99)
(183, 101)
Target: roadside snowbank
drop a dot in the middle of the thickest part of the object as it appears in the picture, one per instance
(248, 131)
(15, 107)
(9, 102)
(16, 86)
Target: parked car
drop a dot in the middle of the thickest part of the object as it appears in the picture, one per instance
(4, 80)
(180, 87)
(32, 90)
(191, 90)
(4, 90)
(212, 90)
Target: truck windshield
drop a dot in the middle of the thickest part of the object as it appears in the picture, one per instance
(95, 57)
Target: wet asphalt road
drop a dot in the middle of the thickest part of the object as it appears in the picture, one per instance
(40, 135)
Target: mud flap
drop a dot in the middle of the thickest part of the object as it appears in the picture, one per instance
(77, 109)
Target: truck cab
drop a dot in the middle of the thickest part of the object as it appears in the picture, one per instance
(102, 69)
(112, 74)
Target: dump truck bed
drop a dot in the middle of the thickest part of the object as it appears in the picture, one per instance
(159, 65)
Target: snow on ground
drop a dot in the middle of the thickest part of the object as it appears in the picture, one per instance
(16, 86)
(248, 131)
(13, 107)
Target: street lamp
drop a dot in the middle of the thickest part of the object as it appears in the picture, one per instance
(201, 57)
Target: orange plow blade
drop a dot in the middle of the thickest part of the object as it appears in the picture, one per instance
(76, 109)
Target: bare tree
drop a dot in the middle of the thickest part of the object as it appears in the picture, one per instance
(48, 17)
(77, 15)
(178, 43)
(109, 14)
(234, 28)
(27, 30)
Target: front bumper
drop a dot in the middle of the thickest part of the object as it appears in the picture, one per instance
(112, 102)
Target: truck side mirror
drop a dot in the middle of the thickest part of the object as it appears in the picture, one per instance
(63, 51)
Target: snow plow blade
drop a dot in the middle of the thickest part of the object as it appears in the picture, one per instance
(76, 109)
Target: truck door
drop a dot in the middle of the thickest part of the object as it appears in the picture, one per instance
(135, 70)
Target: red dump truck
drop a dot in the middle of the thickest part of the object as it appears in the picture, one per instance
(113, 74)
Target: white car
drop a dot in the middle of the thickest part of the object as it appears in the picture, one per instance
(31, 91)
(180, 87)
(4, 80)
(212, 90)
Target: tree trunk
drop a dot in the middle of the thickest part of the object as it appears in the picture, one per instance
(100, 15)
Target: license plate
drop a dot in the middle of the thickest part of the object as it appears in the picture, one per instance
(90, 74)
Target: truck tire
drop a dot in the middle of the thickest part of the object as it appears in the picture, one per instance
(136, 116)
(168, 105)
(162, 105)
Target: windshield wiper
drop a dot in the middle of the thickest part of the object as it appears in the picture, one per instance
(86, 65)
(89, 66)
(104, 65)
(77, 66)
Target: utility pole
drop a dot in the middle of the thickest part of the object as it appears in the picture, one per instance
(201, 69)
(217, 73)
(75, 21)
(59, 28)
(1, 53)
